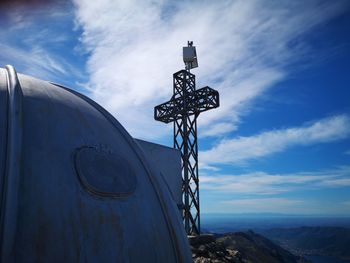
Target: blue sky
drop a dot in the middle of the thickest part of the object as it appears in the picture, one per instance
(279, 143)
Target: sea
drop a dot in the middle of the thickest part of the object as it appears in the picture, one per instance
(223, 223)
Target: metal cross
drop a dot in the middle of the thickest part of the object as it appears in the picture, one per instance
(183, 109)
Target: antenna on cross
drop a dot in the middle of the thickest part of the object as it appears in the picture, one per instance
(190, 56)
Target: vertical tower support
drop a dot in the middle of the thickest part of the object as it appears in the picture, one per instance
(185, 139)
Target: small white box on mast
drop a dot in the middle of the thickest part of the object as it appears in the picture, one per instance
(190, 56)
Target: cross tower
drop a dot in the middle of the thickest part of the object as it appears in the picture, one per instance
(183, 109)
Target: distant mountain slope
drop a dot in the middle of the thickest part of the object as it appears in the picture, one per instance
(239, 247)
(330, 241)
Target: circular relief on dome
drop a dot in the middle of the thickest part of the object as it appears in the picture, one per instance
(104, 174)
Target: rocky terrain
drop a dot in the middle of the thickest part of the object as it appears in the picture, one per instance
(239, 247)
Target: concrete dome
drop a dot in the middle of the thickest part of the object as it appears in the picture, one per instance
(75, 185)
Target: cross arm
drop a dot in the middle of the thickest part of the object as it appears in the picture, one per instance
(193, 103)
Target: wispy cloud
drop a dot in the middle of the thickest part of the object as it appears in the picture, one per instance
(241, 149)
(261, 183)
(36, 61)
(36, 50)
(243, 48)
(219, 129)
(346, 203)
(282, 205)
(258, 205)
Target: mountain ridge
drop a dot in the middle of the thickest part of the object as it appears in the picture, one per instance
(239, 247)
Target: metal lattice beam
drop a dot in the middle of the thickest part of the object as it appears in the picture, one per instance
(195, 101)
(183, 109)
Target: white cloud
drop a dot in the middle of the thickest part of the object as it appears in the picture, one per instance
(218, 129)
(289, 206)
(261, 183)
(280, 205)
(346, 203)
(241, 149)
(38, 62)
(258, 205)
(36, 50)
(242, 46)
(259, 201)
